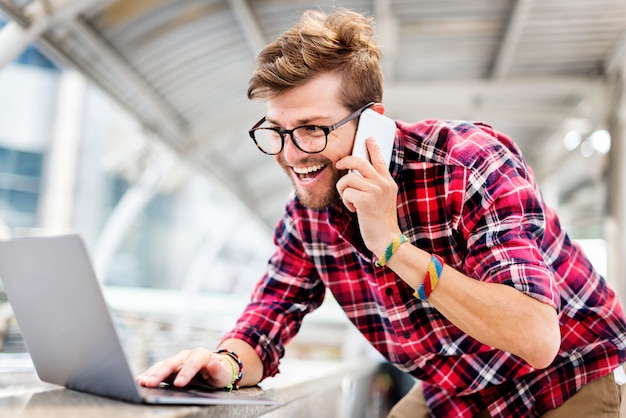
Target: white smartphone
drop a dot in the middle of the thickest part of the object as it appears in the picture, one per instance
(381, 128)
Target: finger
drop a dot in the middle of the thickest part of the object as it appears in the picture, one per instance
(376, 155)
(164, 370)
(352, 164)
(349, 183)
(195, 363)
(350, 198)
(156, 374)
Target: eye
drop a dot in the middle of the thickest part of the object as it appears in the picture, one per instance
(311, 131)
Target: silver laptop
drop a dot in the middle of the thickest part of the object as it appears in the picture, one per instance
(68, 329)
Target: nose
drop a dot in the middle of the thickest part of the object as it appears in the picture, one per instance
(290, 151)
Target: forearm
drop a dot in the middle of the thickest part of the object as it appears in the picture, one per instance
(253, 368)
(494, 314)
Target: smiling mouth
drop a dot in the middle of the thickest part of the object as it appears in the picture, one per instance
(308, 173)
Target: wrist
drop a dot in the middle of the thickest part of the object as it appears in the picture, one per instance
(236, 367)
(382, 242)
(392, 245)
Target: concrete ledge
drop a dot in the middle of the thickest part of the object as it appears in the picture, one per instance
(308, 388)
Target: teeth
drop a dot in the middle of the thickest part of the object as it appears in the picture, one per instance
(306, 170)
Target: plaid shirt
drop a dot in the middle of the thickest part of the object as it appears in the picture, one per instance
(466, 194)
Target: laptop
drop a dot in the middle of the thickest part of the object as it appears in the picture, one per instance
(69, 331)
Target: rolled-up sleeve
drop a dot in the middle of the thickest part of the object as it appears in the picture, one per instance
(505, 225)
(289, 290)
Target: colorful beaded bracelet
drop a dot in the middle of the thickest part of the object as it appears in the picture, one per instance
(234, 384)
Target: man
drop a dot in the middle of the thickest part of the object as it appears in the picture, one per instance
(448, 261)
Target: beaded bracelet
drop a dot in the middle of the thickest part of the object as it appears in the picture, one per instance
(234, 384)
(431, 279)
(391, 249)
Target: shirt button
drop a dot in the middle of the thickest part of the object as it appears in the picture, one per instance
(389, 291)
(407, 335)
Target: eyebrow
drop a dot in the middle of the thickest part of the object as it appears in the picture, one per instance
(300, 122)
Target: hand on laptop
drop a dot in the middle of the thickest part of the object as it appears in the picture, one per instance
(179, 370)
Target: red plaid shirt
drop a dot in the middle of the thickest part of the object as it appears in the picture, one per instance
(466, 194)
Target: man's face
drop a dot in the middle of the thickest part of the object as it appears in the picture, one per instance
(314, 176)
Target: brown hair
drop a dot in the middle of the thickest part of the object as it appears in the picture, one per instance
(340, 42)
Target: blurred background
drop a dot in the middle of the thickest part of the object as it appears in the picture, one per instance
(126, 121)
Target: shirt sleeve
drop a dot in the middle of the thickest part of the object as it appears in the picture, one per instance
(504, 222)
(289, 290)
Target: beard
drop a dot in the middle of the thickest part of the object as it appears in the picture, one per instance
(320, 200)
(324, 194)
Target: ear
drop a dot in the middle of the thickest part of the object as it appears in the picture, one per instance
(378, 107)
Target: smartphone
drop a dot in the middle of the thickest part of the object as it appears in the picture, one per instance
(381, 128)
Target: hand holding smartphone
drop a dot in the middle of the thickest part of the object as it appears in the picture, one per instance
(381, 128)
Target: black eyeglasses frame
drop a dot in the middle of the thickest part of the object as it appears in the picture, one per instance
(284, 132)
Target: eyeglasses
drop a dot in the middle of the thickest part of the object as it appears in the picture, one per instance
(307, 138)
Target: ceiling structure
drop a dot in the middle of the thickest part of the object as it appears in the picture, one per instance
(533, 69)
